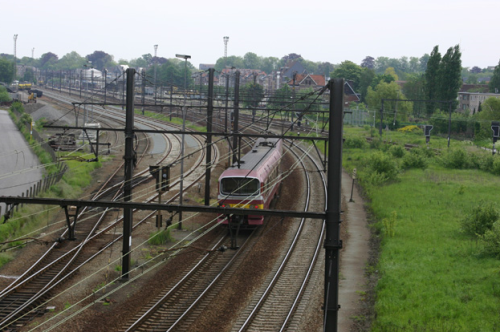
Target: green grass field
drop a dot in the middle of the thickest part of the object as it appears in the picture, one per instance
(431, 275)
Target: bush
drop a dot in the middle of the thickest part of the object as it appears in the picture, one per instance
(355, 143)
(495, 168)
(456, 159)
(397, 151)
(409, 129)
(160, 237)
(480, 219)
(491, 241)
(414, 160)
(375, 144)
(383, 165)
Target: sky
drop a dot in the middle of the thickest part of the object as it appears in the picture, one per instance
(320, 31)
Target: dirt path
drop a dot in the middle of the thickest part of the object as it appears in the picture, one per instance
(353, 281)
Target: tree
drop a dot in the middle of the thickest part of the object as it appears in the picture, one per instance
(414, 65)
(475, 70)
(100, 60)
(231, 61)
(414, 89)
(494, 84)
(431, 78)
(289, 58)
(381, 78)
(350, 71)
(489, 111)
(306, 101)
(365, 80)
(325, 68)
(381, 64)
(6, 70)
(4, 95)
(269, 64)
(423, 62)
(281, 98)
(391, 72)
(368, 62)
(29, 76)
(472, 79)
(252, 94)
(48, 60)
(251, 61)
(395, 111)
(71, 60)
(450, 79)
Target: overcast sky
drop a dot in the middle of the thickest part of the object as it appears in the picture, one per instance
(326, 31)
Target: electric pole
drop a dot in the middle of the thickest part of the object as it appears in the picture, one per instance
(15, 56)
(154, 64)
(226, 39)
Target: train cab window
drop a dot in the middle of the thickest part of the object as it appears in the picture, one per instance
(239, 186)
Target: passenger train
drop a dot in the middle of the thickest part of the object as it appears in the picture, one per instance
(253, 184)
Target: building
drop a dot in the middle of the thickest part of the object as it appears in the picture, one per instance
(468, 102)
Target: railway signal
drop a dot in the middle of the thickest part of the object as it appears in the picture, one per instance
(495, 127)
(162, 177)
(427, 133)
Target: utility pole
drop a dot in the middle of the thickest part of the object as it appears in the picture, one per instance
(293, 91)
(227, 100)
(129, 168)
(333, 244)
(181, 183)
(208, 161)
(226, 39)
(105, 71)
(236, 115)
(154, 64)
(15, 56)
(143, 78)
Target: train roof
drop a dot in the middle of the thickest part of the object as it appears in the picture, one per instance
(261, 151)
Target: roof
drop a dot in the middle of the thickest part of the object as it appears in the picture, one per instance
(250, 163)
(468, 87)
(319, 80)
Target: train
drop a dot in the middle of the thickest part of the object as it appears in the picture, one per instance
(253, 185)
(24, 86)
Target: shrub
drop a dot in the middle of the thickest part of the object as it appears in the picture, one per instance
(491, 241)
(397, 151)
(414, 160)
(479, 219)
(355, 143)
(160, 237)
(375, 144)
(456, 159)
(383, 165)
(495, 168)
(409, 129)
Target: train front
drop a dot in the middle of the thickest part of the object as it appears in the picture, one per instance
(238, 190)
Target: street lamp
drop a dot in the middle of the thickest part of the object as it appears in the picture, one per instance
(185, 57)
(154, 64)
(226, 39)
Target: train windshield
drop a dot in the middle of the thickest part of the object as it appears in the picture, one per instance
(240, 186)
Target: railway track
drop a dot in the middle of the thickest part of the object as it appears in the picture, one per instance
(33, 287)
(178, 312)
(285, 280)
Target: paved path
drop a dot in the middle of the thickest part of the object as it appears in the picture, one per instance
(18, 165)
(354, 257)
